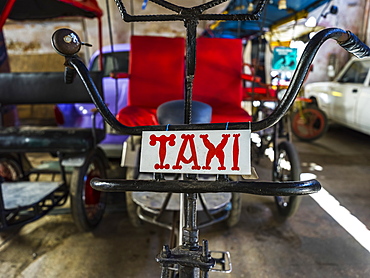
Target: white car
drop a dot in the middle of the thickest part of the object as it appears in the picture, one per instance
(346, 100)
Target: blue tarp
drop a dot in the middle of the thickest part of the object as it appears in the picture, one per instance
(271, 16)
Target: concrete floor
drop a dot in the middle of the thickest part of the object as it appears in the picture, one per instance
(309, 244)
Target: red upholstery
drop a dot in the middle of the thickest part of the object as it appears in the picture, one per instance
(217, 80)
(156, 75)
(133, 115)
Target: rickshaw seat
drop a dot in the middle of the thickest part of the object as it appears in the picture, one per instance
(46, 88)
(156, 75)
(218, 78)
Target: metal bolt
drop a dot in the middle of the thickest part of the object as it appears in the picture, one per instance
(205, 252)
(67, 39)
(166, 251)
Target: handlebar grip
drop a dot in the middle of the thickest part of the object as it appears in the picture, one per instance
(69, 75)
(355, 46)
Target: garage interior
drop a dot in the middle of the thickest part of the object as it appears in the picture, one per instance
(327, 236)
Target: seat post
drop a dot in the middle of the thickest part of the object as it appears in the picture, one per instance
(190, 231)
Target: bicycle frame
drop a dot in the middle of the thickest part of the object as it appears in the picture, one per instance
(190, 255)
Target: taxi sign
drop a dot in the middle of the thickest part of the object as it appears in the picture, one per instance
(196, 152)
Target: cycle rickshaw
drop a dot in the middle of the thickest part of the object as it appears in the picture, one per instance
(71, 156)
(190, 258)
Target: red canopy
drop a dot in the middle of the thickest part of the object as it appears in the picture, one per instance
(89, 6)
(47, 9)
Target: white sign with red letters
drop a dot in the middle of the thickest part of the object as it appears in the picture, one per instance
(196, 152)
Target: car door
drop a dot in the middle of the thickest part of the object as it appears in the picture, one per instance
(344, 94)
(362, 111)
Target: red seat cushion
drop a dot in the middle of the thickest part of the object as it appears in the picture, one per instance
(137, 116)
(156, 75)
(230, 114)
(217, 80)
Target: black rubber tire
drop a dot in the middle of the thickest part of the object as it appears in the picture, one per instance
(87, 204)
(309, 124)
(132, 173)
(132, 211)
(287, 158)
(236, 210)
(10, 168)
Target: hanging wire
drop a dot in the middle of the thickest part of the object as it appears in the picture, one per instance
(132, 12)
(257, 58)
(115, 62)
(322, 13)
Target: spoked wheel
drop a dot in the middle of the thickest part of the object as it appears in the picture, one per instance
(309, 124)
(287, 168)
(88, 204)
(10, 168)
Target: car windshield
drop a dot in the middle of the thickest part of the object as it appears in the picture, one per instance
(356, 73)
(117, 61)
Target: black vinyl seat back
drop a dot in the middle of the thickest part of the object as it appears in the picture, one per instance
(46, 88)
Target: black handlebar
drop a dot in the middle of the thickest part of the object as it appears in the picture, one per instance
(345, 39)
(288, 188)
(355, 46)
(66, 44)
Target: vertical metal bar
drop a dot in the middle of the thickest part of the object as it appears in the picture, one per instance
(5, 12)
(115, 62)
(191, 31)
(206, 256)
(204, 274)
(182, 218)
(62, 170)
(3, 222)
(190, 230)
(186, 272)
(165, 272)
(276, 152)
(287, 126)
(101, 66)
